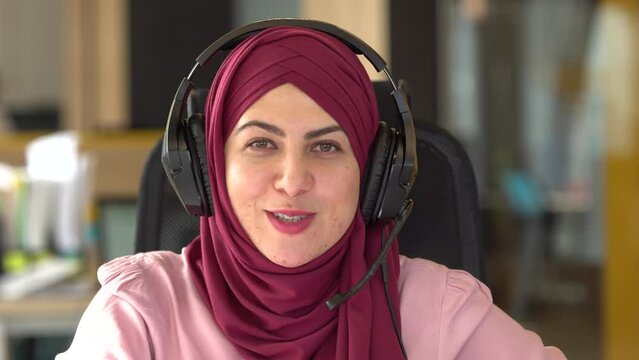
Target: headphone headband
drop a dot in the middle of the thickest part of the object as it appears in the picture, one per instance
(234, 37)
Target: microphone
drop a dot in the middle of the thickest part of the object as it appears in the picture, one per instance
(340, 298)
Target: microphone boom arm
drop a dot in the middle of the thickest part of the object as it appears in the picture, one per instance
(340, 298)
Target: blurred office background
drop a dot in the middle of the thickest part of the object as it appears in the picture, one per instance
(541, 93)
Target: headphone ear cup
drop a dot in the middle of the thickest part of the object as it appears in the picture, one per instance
(379, 162)
(198, 154)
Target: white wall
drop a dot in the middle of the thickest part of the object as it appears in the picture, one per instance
(30, 52)
(246, 11)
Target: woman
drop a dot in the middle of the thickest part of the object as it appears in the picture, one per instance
(291, 115)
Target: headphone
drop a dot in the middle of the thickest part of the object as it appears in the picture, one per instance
(392, 163)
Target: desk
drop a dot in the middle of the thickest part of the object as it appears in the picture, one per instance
(55, 311)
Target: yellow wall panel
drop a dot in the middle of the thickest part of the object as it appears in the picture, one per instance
(620, 294)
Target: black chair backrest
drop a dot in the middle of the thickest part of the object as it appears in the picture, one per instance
(443, 227)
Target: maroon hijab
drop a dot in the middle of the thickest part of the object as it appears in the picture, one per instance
(267, 310)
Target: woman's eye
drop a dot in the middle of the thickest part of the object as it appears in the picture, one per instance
(326, 147)
(260, 144)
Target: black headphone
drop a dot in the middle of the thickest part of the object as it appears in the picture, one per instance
(392, 163)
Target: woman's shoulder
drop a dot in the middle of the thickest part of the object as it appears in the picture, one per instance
(148, 304)
(449, 314)
(143, 272)
(158, 286)
(430, 276)
(443, 290)
(431, 298)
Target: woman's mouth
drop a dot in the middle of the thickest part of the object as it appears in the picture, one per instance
(290, 222)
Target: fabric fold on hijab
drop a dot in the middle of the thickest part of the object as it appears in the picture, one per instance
(266, 310)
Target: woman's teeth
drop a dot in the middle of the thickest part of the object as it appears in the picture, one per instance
(289, 218)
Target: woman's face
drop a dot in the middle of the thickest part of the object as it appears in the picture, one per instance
(291, 176)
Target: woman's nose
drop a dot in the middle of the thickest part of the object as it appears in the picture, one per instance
(295, 176)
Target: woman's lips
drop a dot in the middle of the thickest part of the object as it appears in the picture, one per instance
(290, 227)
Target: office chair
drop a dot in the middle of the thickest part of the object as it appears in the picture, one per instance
(443, 227)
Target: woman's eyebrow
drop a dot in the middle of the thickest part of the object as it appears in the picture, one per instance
(279, 132)
(261, 124)
(322, 131)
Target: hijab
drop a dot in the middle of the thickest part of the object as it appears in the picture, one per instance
(266, 310)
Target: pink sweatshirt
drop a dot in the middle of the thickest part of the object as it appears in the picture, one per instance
(148, 308)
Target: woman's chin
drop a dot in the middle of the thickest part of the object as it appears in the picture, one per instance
(289, 259)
